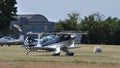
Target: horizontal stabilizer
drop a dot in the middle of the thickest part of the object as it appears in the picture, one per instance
(74, 47)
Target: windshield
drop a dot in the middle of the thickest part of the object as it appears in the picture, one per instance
(48, 37)
(33, 36)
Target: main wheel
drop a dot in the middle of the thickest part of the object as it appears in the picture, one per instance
(56, 54)
(70, 53)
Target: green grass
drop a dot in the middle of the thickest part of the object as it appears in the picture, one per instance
(85, 54)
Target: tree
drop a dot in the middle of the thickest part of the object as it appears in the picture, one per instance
(71, 23)
(101, 30)
(91, 24)
(112, 30)
(59, 25)
(7, 11)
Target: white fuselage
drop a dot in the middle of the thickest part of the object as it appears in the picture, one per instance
(62, 44)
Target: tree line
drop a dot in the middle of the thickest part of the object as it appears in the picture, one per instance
(101, 29)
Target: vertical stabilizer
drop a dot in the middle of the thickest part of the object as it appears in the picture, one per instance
(73, 44)
(21, 37)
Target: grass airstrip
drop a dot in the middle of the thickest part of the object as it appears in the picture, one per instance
(85, 54)
(15, 57)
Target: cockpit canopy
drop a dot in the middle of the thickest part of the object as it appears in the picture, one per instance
(48, 37)
(32, 36)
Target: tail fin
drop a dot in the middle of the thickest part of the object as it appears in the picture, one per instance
(73, 44)
(21, 37)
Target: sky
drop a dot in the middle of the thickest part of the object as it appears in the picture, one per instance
(55, 10)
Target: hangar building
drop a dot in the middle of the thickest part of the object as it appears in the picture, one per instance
(31, 22)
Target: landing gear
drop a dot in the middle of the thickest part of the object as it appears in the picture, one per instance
(56, 54)
(70, 53)
(9, 45)
(65, 49)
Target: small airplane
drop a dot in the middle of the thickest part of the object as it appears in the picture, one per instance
(51, 42)
(6, 40)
